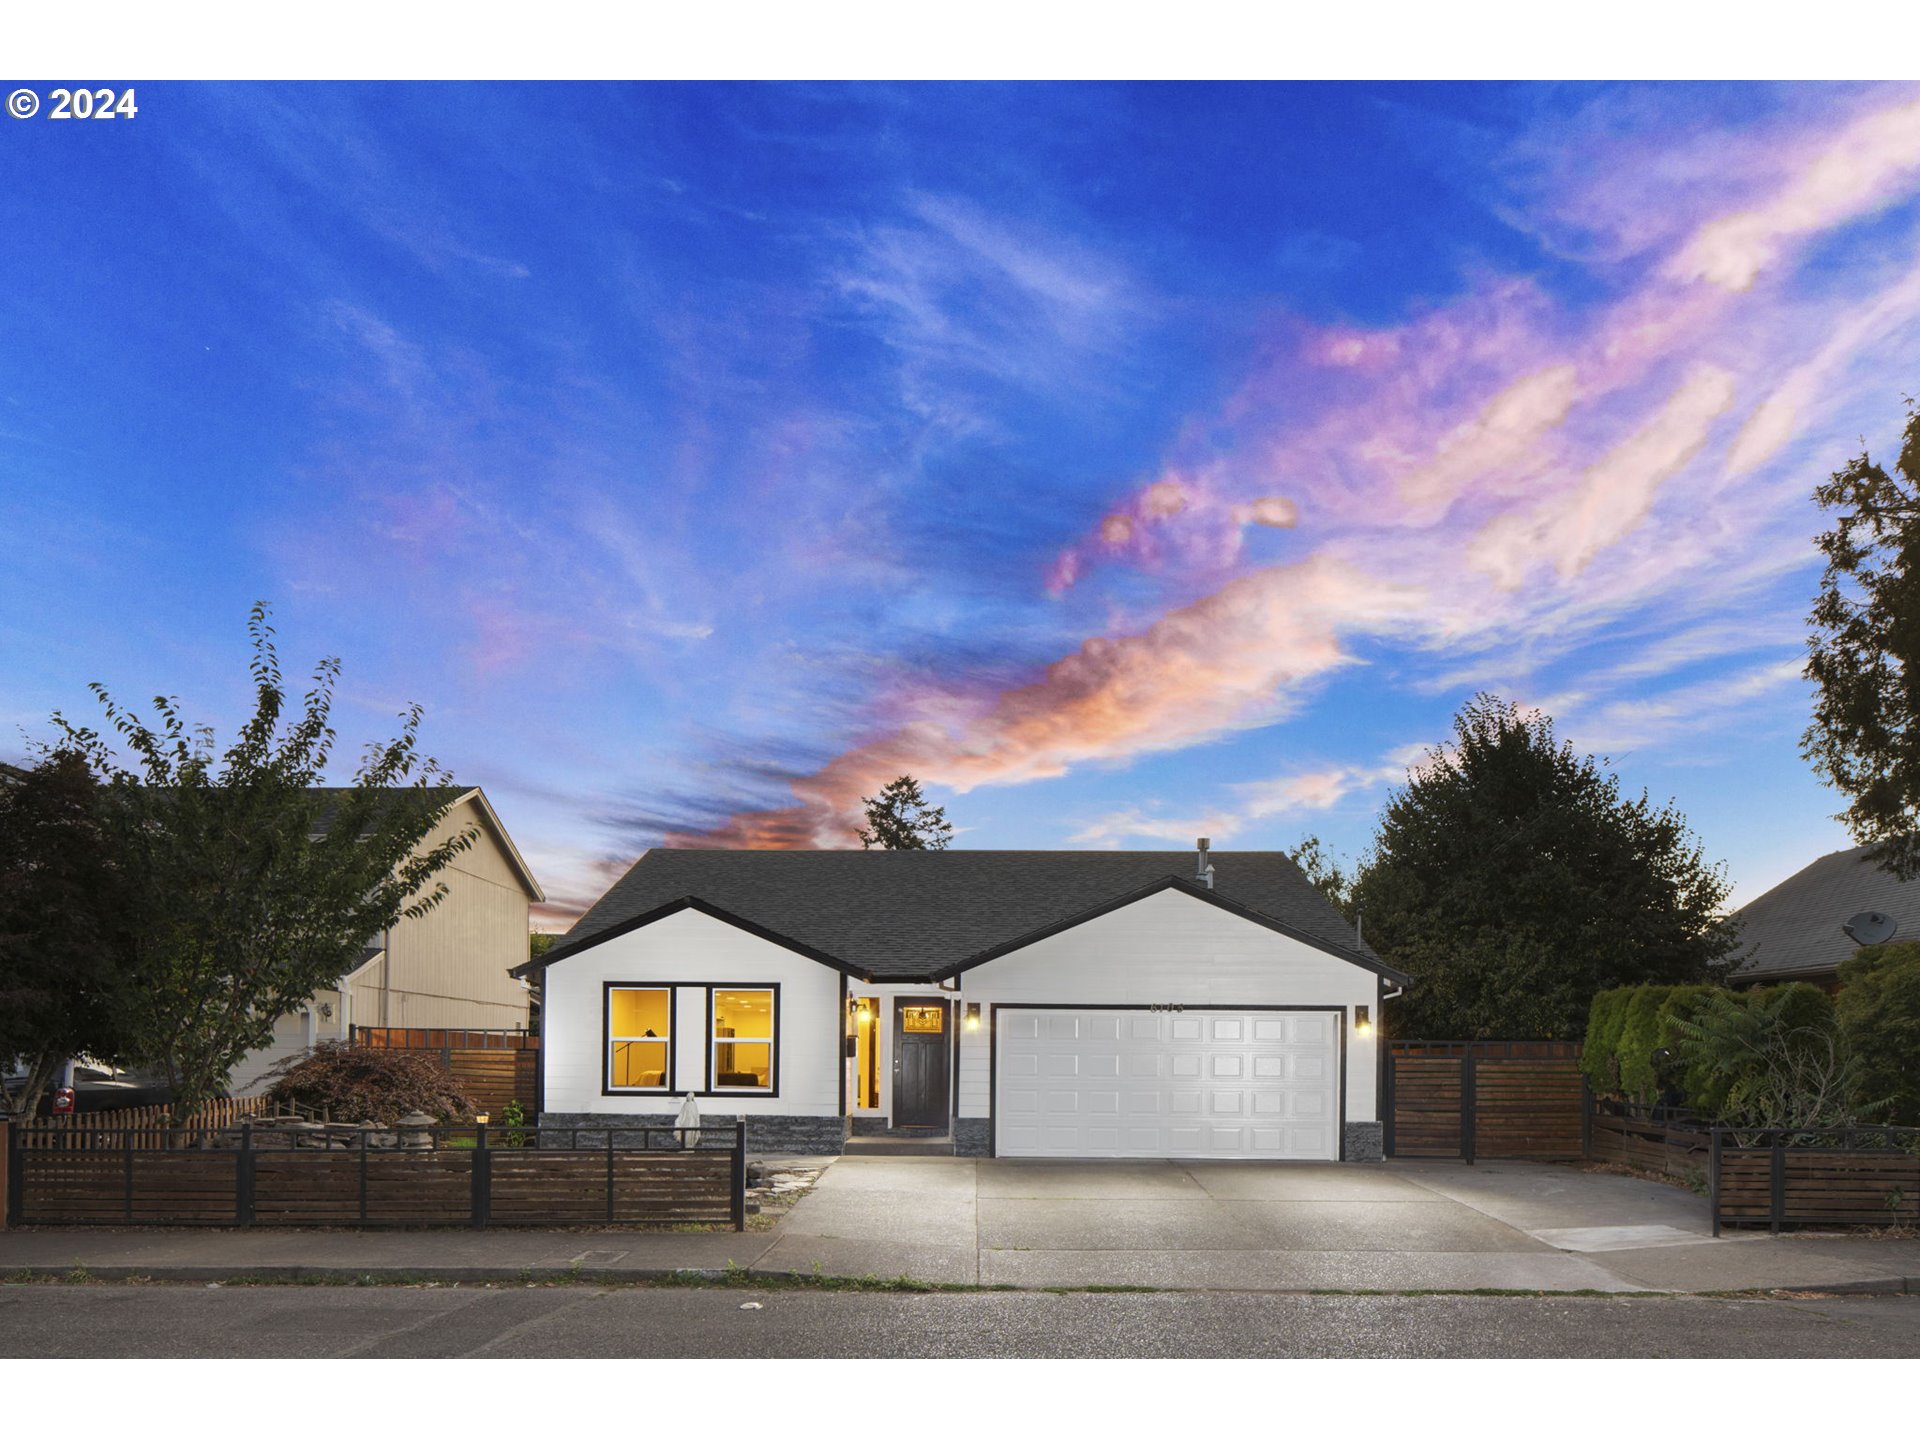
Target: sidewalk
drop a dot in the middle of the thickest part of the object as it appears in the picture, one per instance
(1027, 1225)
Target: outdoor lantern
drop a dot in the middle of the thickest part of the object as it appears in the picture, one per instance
(973, 1015)
(481, 1118)
(1362, 1022)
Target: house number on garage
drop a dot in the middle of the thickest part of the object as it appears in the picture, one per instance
(1176, 1009)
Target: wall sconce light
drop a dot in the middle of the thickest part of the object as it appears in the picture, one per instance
(973, 1015)
(1362, 1021)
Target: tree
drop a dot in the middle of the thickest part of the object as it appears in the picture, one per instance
(252, 887)
(1878, 1008)
(1865, 735)
(899, 818)
(1324, 873)
(65, 925)
(1513, 881)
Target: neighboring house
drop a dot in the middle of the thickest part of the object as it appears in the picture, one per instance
(445, 970)
(1794, 931)
(1023, 1003)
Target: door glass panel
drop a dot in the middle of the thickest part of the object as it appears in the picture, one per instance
(923, 1019)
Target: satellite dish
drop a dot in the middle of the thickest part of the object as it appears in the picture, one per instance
(1871, 927)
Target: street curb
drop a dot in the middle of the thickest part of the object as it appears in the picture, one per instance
(570, 1275)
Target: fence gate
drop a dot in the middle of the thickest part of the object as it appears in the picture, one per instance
(1485, 1099)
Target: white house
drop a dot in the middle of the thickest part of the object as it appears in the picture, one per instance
(1013, 1003)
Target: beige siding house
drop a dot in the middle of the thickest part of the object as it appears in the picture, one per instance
(445, 970)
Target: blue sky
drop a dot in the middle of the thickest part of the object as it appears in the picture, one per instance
(1129, 462)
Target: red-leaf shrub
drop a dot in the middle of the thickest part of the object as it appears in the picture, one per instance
(355, 1083)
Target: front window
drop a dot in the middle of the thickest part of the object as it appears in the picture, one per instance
(743, 1022)
(639, 1038)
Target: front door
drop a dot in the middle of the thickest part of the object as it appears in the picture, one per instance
(921, 1047)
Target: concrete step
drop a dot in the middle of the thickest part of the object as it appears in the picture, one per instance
(901, 1143)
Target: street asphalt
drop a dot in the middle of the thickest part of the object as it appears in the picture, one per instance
(583, 1321)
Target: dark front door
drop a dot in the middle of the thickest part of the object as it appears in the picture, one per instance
(921, 1066)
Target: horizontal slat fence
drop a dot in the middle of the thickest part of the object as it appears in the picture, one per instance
(1488, 1100)
(1641, 1141)
(493, 1067)
(1867, 1177)
(640, 1176)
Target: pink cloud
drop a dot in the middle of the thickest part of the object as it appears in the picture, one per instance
(1428, 470)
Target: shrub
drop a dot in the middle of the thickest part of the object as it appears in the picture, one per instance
(1599, 1056)
(1639, 1038)
(1878, 1010)
(1772, 1059)
(354, 1083)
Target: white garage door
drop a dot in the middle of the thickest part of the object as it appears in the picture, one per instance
(1258, 1084)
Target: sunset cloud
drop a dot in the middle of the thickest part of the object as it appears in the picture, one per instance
(1496, 473)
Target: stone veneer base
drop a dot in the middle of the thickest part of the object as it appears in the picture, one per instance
(1363, 1140)
(766, 1134)
(972, 1137)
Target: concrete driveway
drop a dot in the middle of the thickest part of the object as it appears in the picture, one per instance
(1250, 1226)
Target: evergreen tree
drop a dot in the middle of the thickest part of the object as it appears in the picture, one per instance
(1513, 881)
(899, 818)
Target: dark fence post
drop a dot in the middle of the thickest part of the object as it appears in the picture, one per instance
(1386, 1107)
(1777, 1197)
(1713, 1180)
(363, 1176)
(1586, 1117)
(16, 1174)
(740, 1174)
(576, 1140)
(482, 1179)
(1469, 1104)
(126, 1147)
(243, 1176)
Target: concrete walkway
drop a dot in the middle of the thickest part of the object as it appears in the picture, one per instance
(1171, 1225)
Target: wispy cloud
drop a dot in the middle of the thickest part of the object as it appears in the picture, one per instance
(1497, 474)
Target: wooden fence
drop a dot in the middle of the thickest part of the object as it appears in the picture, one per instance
(459, 1178)
(1777, 1178)
(1643, 1139)
(492, 1066)
(141, 1127)
(1487, 1100)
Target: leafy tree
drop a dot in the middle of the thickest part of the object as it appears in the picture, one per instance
(1865, 735)
(1324, 872)
(65, 924)
(1514, 882)
(1878, 1008)
(1776, 1059)
(539, 942)
(899, 818)
(252, 887)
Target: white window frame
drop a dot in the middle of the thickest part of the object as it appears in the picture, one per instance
(666, 1086)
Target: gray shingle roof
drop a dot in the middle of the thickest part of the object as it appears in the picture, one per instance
(1794, 929)
(914, 914)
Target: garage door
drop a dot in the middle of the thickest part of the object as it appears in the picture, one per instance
(1258, 1084)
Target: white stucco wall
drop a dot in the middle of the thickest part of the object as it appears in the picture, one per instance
(691, 951)
(1171, 948)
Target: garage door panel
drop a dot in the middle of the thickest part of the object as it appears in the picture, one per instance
(1235, 1084)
